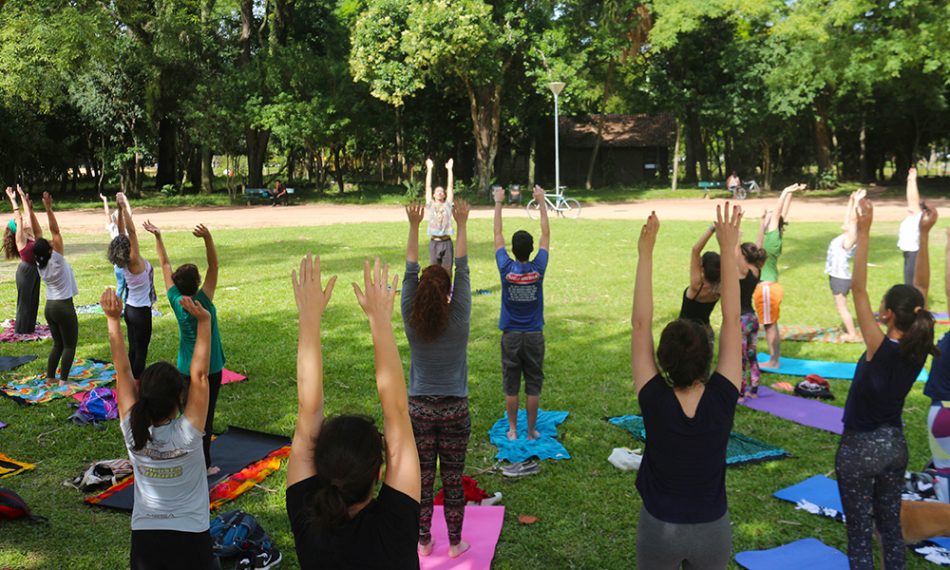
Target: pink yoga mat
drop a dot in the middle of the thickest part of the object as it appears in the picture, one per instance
(228, 376)
(481, 530)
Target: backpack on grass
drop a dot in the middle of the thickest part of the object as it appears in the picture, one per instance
(12, 507)
(234, 533)
(814, 386)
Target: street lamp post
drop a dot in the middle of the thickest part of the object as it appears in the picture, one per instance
(556, 87)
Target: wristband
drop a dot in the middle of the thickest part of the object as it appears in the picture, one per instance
(712, 227)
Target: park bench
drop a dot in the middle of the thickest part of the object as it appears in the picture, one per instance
(263, 195)
(705, 186)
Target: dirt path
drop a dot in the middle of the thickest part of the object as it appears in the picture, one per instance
(803, 209)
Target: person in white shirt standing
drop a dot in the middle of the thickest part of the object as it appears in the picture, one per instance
(439, 212)
(908, 240)
(840, 251)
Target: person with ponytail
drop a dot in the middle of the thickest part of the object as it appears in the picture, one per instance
(872, 455)
(688, 415)
(186, 282)
(335, 463)
(702, 294)
(60, 312)
(749, 263)
(436, 319)
(18, 239)
(138, 280)
(160, 415)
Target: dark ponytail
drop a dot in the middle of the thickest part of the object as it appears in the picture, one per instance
(754, 254)
(161, 395)
(348, 457)
(711, 269)
(913, 320)
(42, 252)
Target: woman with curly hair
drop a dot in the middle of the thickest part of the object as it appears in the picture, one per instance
(436, 320)
(138, 276)
(18, 239)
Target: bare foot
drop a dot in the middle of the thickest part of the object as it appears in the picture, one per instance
(741, 399)
(754, 395)
(426, 549)
(456, 550)
(213, 470)
(512, 435)
(534, 435)
(769, 364)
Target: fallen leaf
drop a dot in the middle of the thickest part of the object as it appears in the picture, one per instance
(527, 519)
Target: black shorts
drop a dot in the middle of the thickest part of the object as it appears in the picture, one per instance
(839, 286)
(522, 353)
(171, 550)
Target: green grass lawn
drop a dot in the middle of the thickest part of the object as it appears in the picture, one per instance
(587, 509)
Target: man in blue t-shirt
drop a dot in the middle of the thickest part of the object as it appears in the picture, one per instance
(522, 315)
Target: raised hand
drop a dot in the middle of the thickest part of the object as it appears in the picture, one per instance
(377, 298)
(460, 211)
(20, 191)
(538, 194)
(103, 198)
(201, 231)
(648, 235)
(151, 228)
(312, 298)
(194, 309)
(47, 199)
(928, 217)
(449, 164)
(10, 193)
(727, 226)
(912, 173)
(110, 303)
(119, 198)
(499, 194)
(864, 215)
(415, 212)
(429, 163)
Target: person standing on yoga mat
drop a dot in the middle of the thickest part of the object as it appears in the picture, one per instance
(61, 287)
(436, 318)
(687, 414)
(840, 251)
(700, 298)
(138, 277)
(18, 239)
(186, 282)
(439, 208)
(908, 236)
(335, 463)
(522, 315)
(872, 455)
(768, 293)
(163, 438)
(749, 263)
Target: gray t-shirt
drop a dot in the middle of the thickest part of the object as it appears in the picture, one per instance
(440, 367)
(171, 481)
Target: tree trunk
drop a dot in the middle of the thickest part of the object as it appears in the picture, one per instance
(822, 134)
(601, 121)
(400, 150)
(256, 155)
(532, 160)
(167, 153)
(207, 170)
(485, 108)
(766, 165)
(695, 151)
(291, 165)
(676, 156)
(337, 168)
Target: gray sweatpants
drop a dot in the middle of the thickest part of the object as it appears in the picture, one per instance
(441, 252)
(666, 546)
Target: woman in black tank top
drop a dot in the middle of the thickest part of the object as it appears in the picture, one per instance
(700, 298)
(750, 262)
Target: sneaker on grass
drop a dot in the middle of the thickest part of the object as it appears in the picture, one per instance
(267, 558)
(521, 469)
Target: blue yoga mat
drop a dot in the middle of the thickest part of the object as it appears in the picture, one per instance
(804, 553)
(827, 370)
(522, 449)
(818, 489)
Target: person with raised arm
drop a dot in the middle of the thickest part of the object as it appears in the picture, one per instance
(908, 236)
(160, 415)
(138, 278)
(768, 293)
(439, 210)
(522, 315)
(749, 263)
(702, 294)
(336, 518)
(60, 312)
(18, 239)
(186, 282)
(436, 313)
(840, 251)
(872, 454)
(113, 222)
(688, 415)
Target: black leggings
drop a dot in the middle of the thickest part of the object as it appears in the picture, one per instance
(64, 326)
(171, 550)
(214, 385)
(870, 468)
(138, 322)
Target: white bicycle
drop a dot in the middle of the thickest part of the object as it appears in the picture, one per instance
(565, 207)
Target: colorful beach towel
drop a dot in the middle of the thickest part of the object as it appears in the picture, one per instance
(9, 333)
(11, 362)
(230, 377)
(808, 333)
(522, 449)
(96, 309)
(10, 467)
(741, 448)
(804, 553)
(83, 376)
(481, 530)
(825, 369)
(804, 411)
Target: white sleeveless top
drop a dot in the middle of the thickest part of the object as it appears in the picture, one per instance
(141, 287)
(59, 278)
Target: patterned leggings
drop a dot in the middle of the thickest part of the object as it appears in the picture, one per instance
(750, 364)
(442, 426)
(870, 468)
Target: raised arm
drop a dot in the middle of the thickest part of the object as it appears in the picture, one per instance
(415, 212)
(922, 264)
(429, 165)
(460, 213)
(642, 360)
(312, 300)
(696, 260)
(873, 337)
(211, 275)
(766, 223)
(33, 228)
(851, 220)
(196, 408)
(499, 197)
(162, 254)
(402, 459)
(913, 194)
(450, 183)
(57, 239)
(126, 391)
(20, 235)
(136, 263)
(730, 336)
(545, 241)
(105, 207)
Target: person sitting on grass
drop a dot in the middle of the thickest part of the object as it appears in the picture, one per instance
(18, 239)
(687, 414)
(186, 282)
(335, 463)
(522, 315)
(840, 251)
(438, 329)
(439, 207)
(872, 454)
(702, 294)
(160, 416)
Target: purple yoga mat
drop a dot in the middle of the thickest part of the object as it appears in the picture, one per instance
(811, 413)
